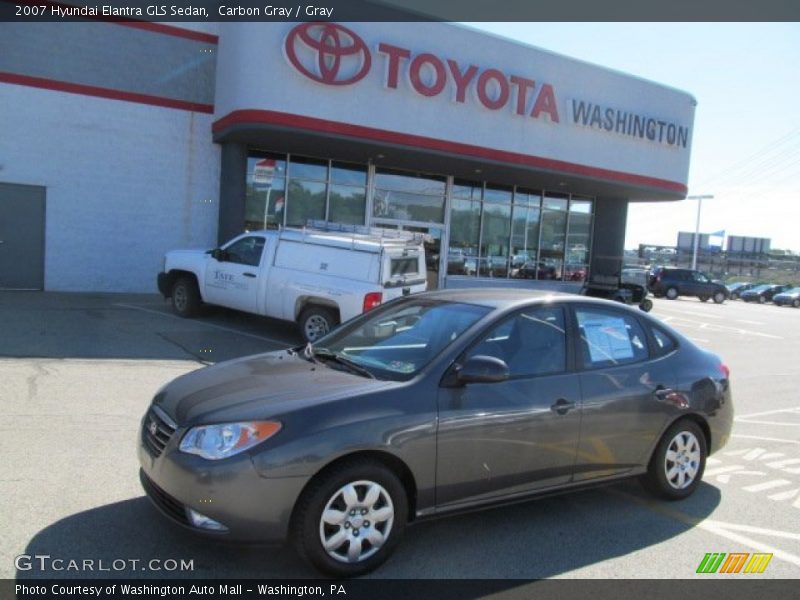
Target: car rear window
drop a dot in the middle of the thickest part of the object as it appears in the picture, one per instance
(407, 265)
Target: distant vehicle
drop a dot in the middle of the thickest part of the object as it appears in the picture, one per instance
(534, 270)
(672, 282)
(316, 278)
(763, 293)
(737, 288)
(788, 298)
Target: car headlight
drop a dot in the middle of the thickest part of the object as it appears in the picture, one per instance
(216, 442)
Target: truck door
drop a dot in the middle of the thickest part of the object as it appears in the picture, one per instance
(234, 279)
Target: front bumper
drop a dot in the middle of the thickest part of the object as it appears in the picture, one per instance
(230, 491)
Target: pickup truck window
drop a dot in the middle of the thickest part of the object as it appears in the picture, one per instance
(247, 251)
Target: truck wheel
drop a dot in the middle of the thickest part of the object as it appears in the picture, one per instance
(316, 321)
(646, 305)
(186, 300)
(672, 293)
(719, 298)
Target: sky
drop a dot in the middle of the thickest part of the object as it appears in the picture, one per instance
(746, 142)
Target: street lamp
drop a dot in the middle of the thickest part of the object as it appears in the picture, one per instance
(697, 225)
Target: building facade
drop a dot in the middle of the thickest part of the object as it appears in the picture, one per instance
(124, 140)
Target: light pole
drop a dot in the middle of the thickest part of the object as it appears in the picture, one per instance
(697, 225)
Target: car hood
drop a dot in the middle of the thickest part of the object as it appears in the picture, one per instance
(258, 387)
(187, 253)
(787, 295)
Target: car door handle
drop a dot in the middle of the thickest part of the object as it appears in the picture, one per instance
(562, 406)
(662, 393)
(249, 274)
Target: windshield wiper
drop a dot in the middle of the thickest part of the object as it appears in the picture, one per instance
(325, 354)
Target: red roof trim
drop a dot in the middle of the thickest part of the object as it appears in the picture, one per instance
(269, 117)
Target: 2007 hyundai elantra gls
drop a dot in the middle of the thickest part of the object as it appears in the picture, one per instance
(431, 404)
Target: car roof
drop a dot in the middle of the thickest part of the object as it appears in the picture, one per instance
(501, 298)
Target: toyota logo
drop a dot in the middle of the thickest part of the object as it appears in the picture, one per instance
(328, 53)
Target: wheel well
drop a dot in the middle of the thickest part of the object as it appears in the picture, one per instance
(391, 462)
(701, 423)
(173, 276)
(304, 302)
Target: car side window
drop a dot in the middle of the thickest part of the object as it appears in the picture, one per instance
(609, 338)
(532, 342)
(664, 343)
(701, 278)
(246, 251)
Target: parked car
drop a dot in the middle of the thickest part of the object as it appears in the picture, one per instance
(790, 297)
(403, 413)
(736, 289)
(536, 270)
(673, 282)
(762, 293)
(316, 278)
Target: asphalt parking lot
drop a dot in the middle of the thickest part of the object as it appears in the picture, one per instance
(78, 370)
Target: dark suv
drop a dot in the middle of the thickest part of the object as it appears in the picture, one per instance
(673, 282)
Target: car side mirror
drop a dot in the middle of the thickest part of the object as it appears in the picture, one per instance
(482, 369)
(218, 254)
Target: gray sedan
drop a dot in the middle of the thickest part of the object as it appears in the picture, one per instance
(431, 404)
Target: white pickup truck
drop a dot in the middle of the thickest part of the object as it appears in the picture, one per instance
(314, 277)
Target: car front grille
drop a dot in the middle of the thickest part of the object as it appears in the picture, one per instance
(168, 505)
(157, 430)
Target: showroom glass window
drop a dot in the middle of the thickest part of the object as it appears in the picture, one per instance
(405, 196)
(265, 191)
(526, 214)
(578, 233)
(294, 191)
(495, 231)
(465, 223)
(554, 233)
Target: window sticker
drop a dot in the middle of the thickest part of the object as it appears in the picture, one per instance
(607, 338)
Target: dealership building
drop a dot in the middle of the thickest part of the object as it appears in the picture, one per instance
(124, 140)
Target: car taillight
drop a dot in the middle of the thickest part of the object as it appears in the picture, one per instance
(372, 300)
(723, 368)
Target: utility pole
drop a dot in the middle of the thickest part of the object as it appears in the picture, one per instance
(697, 225)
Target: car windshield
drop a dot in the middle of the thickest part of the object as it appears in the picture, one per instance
(760, 288)
(397, 342)
(795, 290)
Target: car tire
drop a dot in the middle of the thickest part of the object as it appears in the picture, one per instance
(646, 305)
(185, 296)
(677, 465)
(734, 296)
(349, 519)
(671, 293)
(761, 300)
(703, 298)
(316, 321)
(796, 303)
(719, 298)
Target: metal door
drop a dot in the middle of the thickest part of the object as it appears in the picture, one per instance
(22, 213)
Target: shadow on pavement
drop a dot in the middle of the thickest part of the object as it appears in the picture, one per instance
(130, 326)
(540, 539)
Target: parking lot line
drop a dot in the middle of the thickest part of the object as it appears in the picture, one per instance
(213, 325)
(766, 439)
(715, 327)
(795, 409)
